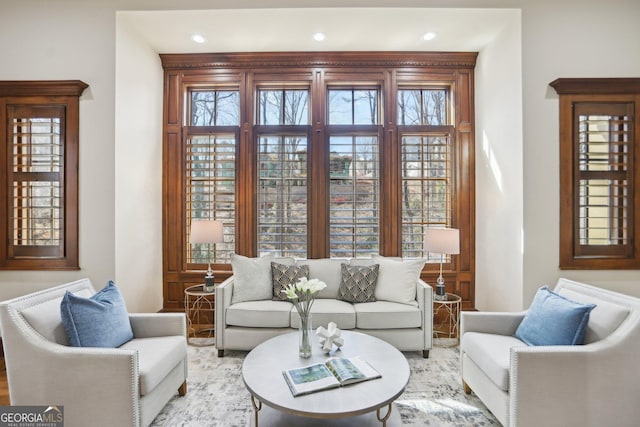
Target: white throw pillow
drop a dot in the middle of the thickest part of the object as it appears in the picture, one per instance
(397, 280)
(251, 278)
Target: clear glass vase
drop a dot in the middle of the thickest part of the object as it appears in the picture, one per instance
(304, 336)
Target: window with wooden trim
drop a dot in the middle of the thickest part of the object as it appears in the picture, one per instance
(39, 198)
(210, 169)
(426, 188)
(426, 139)
(330, 155)
(354, 172)
(599, 145)
(283, 136)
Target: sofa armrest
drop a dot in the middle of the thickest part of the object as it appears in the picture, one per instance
(146, 325)
(224, 291)
(499, 323)
(424, 296)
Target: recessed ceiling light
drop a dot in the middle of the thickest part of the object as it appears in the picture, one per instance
(319, 37)
(198, 38)
(429, 36)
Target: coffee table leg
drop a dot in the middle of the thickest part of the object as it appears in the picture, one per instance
(257, 405)
(384, 419)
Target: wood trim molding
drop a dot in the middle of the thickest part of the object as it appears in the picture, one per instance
(42, 88)
(596, 86)
(458, 60)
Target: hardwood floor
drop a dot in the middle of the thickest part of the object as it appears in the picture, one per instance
(4, 387)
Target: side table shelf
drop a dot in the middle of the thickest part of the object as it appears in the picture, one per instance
(199, 307)
(449, 326)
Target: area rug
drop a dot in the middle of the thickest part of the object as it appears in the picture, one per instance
(217, 397)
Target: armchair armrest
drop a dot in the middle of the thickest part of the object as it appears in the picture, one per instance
(110, 374)
(573, 391)
(146, 325)
(499, 323)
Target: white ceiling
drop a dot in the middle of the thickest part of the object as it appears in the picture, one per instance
(347, 29)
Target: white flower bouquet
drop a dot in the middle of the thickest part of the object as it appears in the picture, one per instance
(302, 294)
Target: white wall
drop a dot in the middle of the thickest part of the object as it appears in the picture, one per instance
(68, 41)
(138, 170)
(596, 39)
(499, 263)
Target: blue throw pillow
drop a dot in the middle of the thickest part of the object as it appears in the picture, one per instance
(554, 320)
(99, 321)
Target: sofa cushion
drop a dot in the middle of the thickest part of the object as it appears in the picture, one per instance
(251, 278)
(554, 320)
(324, 311)
(285, 275)
(326, 270)
(260, 314)
(387, 315)
(156, 358)
(492, 354)
(358, 283)
(101, 320)
(397, 280)
(603, 320)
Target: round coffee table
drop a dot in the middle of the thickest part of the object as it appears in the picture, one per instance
(362, 404)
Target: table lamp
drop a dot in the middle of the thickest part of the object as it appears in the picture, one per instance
(207, 231)
(442, 241)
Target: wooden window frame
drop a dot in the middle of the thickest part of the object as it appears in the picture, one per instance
(574, 93)
(63, 96)
(321, 71)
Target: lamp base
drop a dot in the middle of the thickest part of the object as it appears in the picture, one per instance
(209, 285)
(441, 293)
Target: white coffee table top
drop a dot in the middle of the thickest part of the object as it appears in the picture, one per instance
(263, 366)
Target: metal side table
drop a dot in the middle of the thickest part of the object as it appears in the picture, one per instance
(449, 325)
(199, 306)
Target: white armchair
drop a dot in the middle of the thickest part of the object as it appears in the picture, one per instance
(125, 386)
(594, 384)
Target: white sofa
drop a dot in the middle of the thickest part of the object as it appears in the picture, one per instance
(595, 384)
(125, 386)
(244, 325)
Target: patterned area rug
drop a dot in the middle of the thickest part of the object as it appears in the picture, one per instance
(217, 397)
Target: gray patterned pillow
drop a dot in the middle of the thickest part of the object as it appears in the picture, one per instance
(284, 275)
(358, 283)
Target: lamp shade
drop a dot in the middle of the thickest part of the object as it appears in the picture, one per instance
(442, 240)
(206, 231)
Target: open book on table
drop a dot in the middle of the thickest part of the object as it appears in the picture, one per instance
(335, 372)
